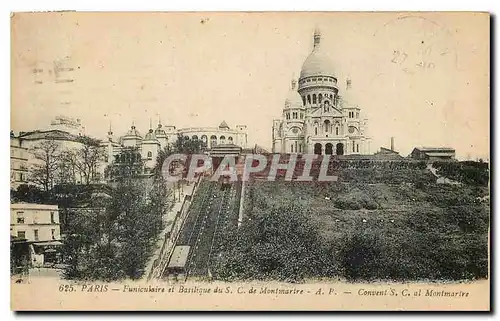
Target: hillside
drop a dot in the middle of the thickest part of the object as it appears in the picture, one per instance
(373, 223)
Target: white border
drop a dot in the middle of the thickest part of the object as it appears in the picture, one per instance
(191, 5)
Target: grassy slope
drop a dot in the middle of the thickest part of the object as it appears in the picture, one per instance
(419, 229)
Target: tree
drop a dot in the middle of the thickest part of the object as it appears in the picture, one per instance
(88, 158)
(128, 164)
(278, 243)
(185, 145)
(67, 173)
(43, 171)
(29, 194)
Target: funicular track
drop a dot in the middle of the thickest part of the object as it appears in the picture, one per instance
(205, 224)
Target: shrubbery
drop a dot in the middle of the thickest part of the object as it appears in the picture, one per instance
(420, 230)
(468, 172)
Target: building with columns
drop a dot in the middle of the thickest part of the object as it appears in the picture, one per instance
(157, 139)
(319, 114)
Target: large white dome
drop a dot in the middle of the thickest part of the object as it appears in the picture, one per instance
(318, 63)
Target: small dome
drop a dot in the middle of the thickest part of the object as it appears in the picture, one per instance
(318, 63)
(348, 96)
(293, 99)
(150, 135)
(160, 132)
(133, 132)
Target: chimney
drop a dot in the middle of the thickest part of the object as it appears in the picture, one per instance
(392, 143)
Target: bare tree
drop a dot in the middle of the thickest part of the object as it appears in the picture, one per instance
(67, 168)
(88, 158)
(43, 171)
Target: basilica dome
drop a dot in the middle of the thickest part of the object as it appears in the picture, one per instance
(318, 63)
(293, 98)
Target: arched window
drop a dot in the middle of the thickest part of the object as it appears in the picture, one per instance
(315, 130)
(150, 155)
(230, 140)
(327, 126)
(223, 139)
(213, 140)
(314, 98)
(320, 98)
(204, 140)
(309, 99)
(304, 100)
(195, 137)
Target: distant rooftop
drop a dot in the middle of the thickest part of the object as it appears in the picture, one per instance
(435, 149)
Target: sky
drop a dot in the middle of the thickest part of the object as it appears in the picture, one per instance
(422, 78)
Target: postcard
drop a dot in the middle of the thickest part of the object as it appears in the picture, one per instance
(250, 161)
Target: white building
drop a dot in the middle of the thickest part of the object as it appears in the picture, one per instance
(39, 225)
(319, 117)
(157, 139)
(64, 131)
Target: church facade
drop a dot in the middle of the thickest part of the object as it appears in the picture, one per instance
(318, 116)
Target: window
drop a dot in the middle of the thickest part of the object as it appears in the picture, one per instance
(291, 148)
(150, 155)
(52, 218)
(20, 217)
(301, 115)
(320, 98)
(21, 234)
(336, 130)
(309, 99)
(327, 126)
(213, 140)
(294, 115)
(353, 150)
(315, 130)
(357, 148)
(35, 232)
(314, 98)
(53, 233)
(304, 100)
